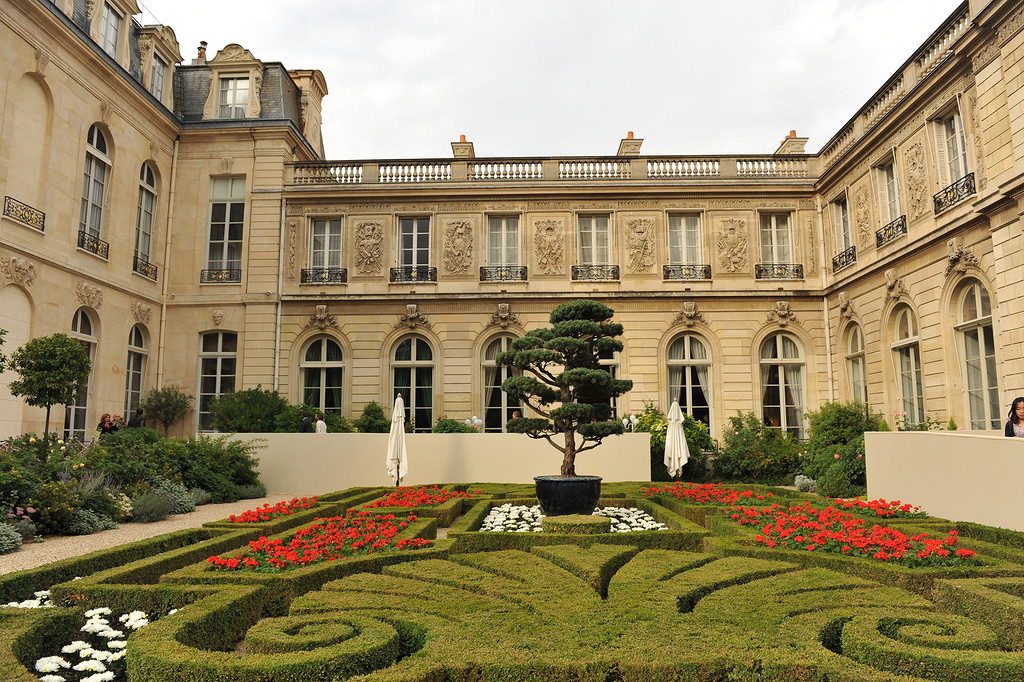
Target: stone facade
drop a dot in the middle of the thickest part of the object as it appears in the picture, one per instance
(886, 267)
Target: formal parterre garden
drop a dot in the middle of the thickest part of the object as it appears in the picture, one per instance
(694, 582)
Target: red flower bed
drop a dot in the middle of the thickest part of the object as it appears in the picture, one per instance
(268, 513)
(419, 497)
(879, 508)
(707, 493)
(354, 534)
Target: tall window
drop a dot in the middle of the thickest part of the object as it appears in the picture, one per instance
(76, 417)
(594, 240)
(907, 356)
(498, 408)
(856, 366)
(144, 217)
(414, 242)
(158, 77)
(322, 368)
(977, 340)
(776, 238)
(952, 148)
(503, 240)
(689, 376)
(684, 241)
(844, 237)
(234, 97)
(412, 372)
(889, 195)
(94, 184)
(325, 244)
(609, 362)
(135, 370)
(218, 353)
(110, 30)
(227, 214)
(782, 383)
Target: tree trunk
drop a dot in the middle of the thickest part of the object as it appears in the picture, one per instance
(569, 460)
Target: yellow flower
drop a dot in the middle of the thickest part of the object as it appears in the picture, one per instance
(32, 439)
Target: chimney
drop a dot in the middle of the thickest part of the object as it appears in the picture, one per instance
(792, 144)
(201, 57)
(463, 149)
(629, 146)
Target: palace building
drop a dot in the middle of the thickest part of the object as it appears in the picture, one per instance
(180, 219)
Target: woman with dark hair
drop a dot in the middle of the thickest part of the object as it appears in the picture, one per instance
(1015, 426)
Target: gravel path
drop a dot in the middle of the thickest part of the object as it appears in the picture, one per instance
(51, 549)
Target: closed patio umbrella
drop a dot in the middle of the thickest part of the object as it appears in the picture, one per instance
(398, 464)
(676, 450)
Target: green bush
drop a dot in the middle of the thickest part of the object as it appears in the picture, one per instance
(183, 502)
(166, 406)
(54, 503)
(288, 420)
(846, 475)
(128, 456)
(372, 419)
(835, 424)
(250, 411)
(698, 441)
(753, 451)
(216, 464)
(152, 506)
(448, 425)
(85, 522)
(251, 492)
(200, 496)
(10, 539)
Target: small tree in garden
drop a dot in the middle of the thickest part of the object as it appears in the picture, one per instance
(167, 405)
(372, 419)
(51, 368)
(561, 365)
(253, 410)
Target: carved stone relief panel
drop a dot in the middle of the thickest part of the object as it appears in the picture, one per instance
(503, 317)
(781, 315)
(847, 309)
(218, 317)
(321, 319)
(640, 242)
(18, 271)
(458, 247)
(862, 215)
(292, 229)
(980, 174)
(689, 315)
(412, 318)
(917, 180)
(89, 295)
(731, 243)
(369, 245)
(894, 286)
(549, 243)
(141, 312)
(960, 257)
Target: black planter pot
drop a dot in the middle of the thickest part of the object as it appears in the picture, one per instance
(575, 495)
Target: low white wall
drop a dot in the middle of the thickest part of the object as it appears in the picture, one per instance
(956, 476)
(314, 464)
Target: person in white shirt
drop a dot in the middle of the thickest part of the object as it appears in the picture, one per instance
(321, 425)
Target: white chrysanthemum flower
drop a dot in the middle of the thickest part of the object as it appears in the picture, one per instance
(41, 594)
(117, 655)
(101, 611)
(75, 646)
(99, 677)
(52, 678)
(117, 644)
(51, 664)
(109, 633)
(172, 612)
(91, 666)
(85, 652)
(101, 655)
(94, 626)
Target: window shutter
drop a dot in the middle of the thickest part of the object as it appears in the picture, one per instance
(940, 154)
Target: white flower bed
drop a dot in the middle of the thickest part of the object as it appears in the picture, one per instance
(509, 518)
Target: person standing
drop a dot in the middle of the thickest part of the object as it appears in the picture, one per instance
(138, 419)
(1015, 424)
(106, 425)
(305, 426)
(321, 425)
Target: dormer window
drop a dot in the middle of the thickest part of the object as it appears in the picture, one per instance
(236, 80)
(111, 23)
(234, 96)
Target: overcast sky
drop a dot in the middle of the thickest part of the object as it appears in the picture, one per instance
(571, 77)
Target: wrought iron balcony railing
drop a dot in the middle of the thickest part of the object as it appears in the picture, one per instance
(220, 275)
(93, 244)
(414, 273)
(323, 276)
(844, 259)
(595, 273)
(24, 213)
(144, 268)
(686, 271)
(955, 193)
(779, 271)
(891, 231)
(503, 273)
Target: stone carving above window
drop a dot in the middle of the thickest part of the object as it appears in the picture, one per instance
(960, 257)
(369, 248)
(458, 247)
(550, 244)
(18, 271)
(782, 315)
(847, 309)
(412, 318)
(732, 245)
(689, 315)
(917, 182)
(894, 286)
(141, 312)
(640, 242)
(89, 295)
(503, 317)
(218, 317)
(321, 319)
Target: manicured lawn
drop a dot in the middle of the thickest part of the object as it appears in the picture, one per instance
(773, 585)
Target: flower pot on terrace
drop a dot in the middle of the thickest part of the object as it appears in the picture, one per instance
(574, 495)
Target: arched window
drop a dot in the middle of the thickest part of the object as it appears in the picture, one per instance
(322, 368)
(412, 372)
(135, 370)
(907, 356)
(975, 336)
(94, 185)
(144, 220)
(218, 356)
(689, 376)
(856, 367)
(498, 408)
(782, 383)
(76, 417)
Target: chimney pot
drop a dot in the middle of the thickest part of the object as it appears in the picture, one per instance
(462, 138)
(629, 135)
(792, 133)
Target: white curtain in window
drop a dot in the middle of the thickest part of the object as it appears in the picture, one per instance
(698, 351)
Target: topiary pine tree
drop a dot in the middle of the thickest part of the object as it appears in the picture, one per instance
(561, 365)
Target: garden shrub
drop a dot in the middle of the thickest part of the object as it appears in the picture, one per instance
(835, 424)
(846, 475)
(54, 503)
(252, 491)
(250, 411)
(372, 419)
(152, 506)
(288, 420)
(25, 528)
(753, 451)
(448, 425)
(10, 539)
(85, 522)
(218, 465)
(200, 496)
(805, 484)
(128, 456)
(183, 502)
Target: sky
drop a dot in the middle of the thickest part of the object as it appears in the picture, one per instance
(571, 77)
